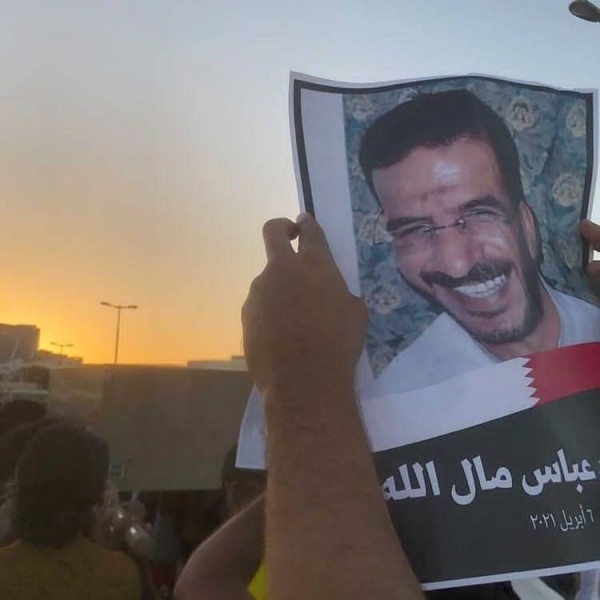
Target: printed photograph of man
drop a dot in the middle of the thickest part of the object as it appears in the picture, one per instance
(445, 172)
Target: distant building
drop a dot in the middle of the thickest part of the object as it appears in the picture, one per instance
(24, 369)
(52, 359)
(235, 363)
(18, 342)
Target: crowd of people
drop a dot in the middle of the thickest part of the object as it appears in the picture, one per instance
(320, 529)
(66, 532)
(56, 543)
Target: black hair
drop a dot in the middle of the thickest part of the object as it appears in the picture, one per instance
(433, 120)
(60, 478)
(19, 412)
(14, 442)
(230, 473)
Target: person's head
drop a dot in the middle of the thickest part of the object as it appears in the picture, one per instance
(14, 442)
(240, 486)
(60, 478)
(445, 171)
(19, 412)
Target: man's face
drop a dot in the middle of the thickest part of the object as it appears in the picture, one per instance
(459, 240)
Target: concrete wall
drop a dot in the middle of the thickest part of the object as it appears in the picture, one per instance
(168, 428)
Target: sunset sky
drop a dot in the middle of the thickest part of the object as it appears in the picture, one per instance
(144, 142)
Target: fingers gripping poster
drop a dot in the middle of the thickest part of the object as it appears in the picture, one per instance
(452, 208)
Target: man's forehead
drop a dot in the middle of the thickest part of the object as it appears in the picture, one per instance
(429, 173)
(445, 173)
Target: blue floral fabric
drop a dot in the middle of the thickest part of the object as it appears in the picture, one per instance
(550, 128)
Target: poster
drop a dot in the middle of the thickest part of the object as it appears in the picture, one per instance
(451, 206)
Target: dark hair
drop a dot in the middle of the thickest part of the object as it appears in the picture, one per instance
(13, 443)
(60, 477)
(230, 473)
(433, 120)
(19, 412)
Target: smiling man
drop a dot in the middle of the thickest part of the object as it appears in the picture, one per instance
(445, 171)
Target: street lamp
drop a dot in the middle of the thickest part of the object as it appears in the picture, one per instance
(61, 346)
(119, 308)
(583, 9)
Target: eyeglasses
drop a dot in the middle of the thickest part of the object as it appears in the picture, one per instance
(421, 236)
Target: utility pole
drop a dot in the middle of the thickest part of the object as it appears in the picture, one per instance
(118, 308)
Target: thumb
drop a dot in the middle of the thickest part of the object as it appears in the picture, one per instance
(310, 235)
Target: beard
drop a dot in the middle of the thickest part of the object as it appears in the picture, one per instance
(534, 313)
(530, 282)
(534, 306)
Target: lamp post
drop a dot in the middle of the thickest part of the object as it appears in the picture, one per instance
(61, 346)
(583, 9)
(119, 308)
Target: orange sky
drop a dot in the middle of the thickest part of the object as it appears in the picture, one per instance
(143, 145)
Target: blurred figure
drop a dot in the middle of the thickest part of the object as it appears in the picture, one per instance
(123, 526)
(240, 486)
(14, 442)
(59, 481)
(19, 412)
(12, 445)
(226, 565)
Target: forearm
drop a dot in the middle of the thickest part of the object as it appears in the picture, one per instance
(222, 566)
(329, 534)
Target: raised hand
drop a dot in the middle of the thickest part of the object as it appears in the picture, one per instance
(300, 322)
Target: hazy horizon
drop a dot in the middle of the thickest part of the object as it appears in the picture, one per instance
(145, 143)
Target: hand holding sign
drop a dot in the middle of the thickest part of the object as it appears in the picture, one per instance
(300, 322)
(303, 334)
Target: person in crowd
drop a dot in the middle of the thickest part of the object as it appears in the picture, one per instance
(19, 412)
(240, 486)
(12, 445)
(227, 565)
(59, 481)
(328, 533)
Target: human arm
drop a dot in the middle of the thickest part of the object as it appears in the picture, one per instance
(222, 566)
(328, 532)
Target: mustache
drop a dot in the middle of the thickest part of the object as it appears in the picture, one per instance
(478, 273)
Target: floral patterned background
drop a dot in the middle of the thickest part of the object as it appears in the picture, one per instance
(550, 130)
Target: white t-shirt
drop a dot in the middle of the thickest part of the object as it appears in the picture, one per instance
(446, 350)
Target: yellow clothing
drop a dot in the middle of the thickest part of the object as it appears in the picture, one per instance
(78, 570)
(258, 585)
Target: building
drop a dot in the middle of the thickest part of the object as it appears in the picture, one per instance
(235, 363)
(18, 342)
(52, 359)
(24, 369)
